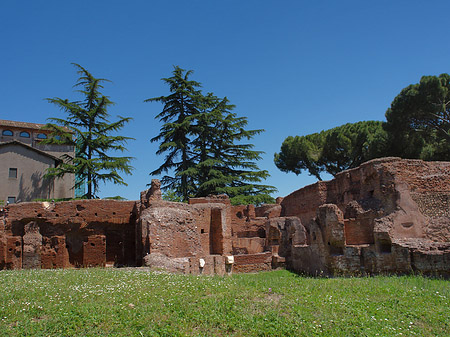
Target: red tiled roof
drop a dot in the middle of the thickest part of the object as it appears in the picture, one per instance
(25, 125)
(21, 124)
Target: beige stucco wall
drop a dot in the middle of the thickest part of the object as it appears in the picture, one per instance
(31, 167)
(56, 150)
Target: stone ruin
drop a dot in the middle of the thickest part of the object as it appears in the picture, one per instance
(389, 215)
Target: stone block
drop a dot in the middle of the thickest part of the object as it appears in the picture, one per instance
(158, 261)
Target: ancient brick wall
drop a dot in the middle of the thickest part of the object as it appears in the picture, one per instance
(391, 209)
(371, 184)
(189, 238)
(421, 176)
(248, 233)
(433, 204)
(68, 234)
(358, 232)
(304, 202)
(388, 215)
(175, 229)
(428, 183)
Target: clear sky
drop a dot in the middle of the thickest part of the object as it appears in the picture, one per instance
(292, 67)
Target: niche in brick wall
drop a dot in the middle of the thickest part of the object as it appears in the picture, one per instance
(215, 233)
(358, 231)
(385, 246)
(74, 245)
(115, 248)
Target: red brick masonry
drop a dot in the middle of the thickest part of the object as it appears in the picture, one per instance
(387, 216)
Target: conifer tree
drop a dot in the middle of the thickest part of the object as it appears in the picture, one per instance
(226, 164)
(88, 129)
(202, 139)
(180, 108)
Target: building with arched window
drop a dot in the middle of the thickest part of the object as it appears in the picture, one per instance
(24, 162)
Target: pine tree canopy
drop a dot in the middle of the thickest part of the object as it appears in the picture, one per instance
(417, 126)
(332, 150)
(418, 120)
(204, 145)
(94, 137)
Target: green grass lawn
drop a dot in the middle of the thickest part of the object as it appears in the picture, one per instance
(135, 302)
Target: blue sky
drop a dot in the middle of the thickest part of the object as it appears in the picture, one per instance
(291, 67)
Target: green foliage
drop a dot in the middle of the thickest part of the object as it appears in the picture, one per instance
(179, 109)
(418, 121)
(204, 143)
(255, 198)
(417, 126)
(333, 150)
(88, 129)
(224, 164)
(55, 200)
(350, 145)
(301, 153)
(116, 197)
(135, 302)
(171, 195)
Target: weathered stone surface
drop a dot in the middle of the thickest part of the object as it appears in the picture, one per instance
(251, 245)
(32, 244)
(159, 261)
(386, 216)
(54, 252)
(371, 218)
(250, 263)
(13, 258)
(94, 251)
(170, 229)
(2, 252)
(268, 211)
(153, 194)
(66, 234)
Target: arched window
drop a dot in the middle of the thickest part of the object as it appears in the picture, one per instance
(7, 133)
(42, 136)
(24, 134)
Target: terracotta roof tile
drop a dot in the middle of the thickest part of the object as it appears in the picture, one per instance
(21, 124)
(26, 125)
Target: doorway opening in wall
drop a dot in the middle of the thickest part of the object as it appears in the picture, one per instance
(215, 232)
(115, 248)
(385, 247)
(74, 245)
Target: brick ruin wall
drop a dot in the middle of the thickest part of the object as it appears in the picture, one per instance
(81, 233)
(388, 215)
(189, 238)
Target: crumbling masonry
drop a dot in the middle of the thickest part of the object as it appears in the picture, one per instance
(387, 216)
